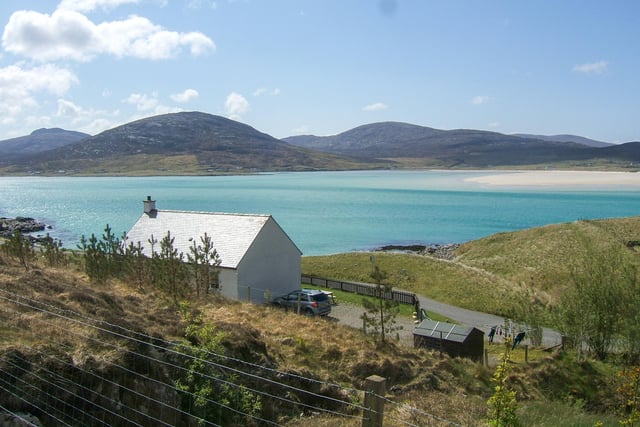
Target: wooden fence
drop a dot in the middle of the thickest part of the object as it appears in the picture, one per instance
(403, 297)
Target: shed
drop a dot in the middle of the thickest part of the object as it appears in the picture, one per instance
(455, 340)
(258, 259)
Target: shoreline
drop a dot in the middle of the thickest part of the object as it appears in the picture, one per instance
(557, 178)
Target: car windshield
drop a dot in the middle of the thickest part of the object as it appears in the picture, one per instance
(321, 297)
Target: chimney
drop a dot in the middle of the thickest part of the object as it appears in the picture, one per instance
(150, 206)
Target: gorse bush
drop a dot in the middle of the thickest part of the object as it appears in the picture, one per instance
(503, 404)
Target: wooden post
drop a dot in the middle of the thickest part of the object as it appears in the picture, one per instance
(486, 357)
(374, 391)
(526, 353)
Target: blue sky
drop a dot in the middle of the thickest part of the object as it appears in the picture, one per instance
(289, 67)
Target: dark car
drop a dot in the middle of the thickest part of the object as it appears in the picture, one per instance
(311, 302)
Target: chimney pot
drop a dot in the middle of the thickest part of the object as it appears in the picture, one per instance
(149, 206)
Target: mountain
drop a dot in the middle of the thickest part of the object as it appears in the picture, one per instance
(187, 142)
(40, 140)
(200, 143)
(459, 148)
(566, 138)
(419, 146)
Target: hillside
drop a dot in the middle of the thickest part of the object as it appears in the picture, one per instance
(413, 145)
(179, 143)
(37, 142)
(195, 143)
(110, 352)
(565, 138)
(494, 273)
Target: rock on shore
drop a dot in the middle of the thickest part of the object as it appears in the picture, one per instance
(435, 250)
(24, 225)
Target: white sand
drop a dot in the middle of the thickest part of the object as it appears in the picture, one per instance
(559, 178)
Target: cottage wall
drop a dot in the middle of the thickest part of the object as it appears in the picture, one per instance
(271, 266)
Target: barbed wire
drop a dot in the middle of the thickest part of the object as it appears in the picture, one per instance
(169, 343)
(62, 378)
(414, 410)
(44, 311)
(28, 402)
(7, 411)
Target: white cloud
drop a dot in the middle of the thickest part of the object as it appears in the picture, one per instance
(198, 4)
(494, 124)
(90, 5)
(599, 67)
(68, 34)
(67, 109)
(186, 96)
(143, 102)
(236, 105)
(260, 91)
(266, 91)
(479, 100)
(19, 85)
(378, 106)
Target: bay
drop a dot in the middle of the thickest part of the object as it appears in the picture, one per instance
(323, 212)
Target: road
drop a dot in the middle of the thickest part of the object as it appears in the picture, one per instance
(349, 315)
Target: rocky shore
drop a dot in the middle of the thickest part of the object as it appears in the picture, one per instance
(8, 226)
(443, 251)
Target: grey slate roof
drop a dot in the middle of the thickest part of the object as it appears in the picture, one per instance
(450, 332)
(232, 234)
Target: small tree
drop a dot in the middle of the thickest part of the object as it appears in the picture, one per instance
(593, 311)
(381, 313)
(204, 261)
(136, 265)
(503, 404)
(21, 248)
(170, 275)
(52, 252)
(95, 261)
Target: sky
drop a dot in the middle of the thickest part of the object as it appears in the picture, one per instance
(321, 67)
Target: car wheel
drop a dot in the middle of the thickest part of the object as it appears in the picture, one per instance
(309, 312)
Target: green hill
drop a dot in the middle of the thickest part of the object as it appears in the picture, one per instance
(493, 273)
(76, 351)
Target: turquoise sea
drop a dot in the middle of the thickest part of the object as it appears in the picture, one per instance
(323, 212)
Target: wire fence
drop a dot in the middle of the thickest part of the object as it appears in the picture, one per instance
(129, 377)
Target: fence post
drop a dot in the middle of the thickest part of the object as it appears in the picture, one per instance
(526, 353)
(374, 391)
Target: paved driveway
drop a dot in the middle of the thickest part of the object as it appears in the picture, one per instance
(350, 315)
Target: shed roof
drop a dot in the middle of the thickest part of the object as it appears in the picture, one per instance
(232, 234)
(450, 332)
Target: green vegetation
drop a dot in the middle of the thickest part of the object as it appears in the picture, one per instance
(503, 404)
(553, 275)
(380, 315)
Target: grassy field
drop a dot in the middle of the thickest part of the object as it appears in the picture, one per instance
(499, 272)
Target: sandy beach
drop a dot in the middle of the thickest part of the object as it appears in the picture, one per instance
(559, 178)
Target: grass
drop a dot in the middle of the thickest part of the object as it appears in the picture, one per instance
(406, 310)
(497, 273)
(553, 389)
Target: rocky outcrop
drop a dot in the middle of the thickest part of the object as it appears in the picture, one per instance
(435, 250)
(24, 225)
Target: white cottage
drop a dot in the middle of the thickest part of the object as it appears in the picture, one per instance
(257, 257)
